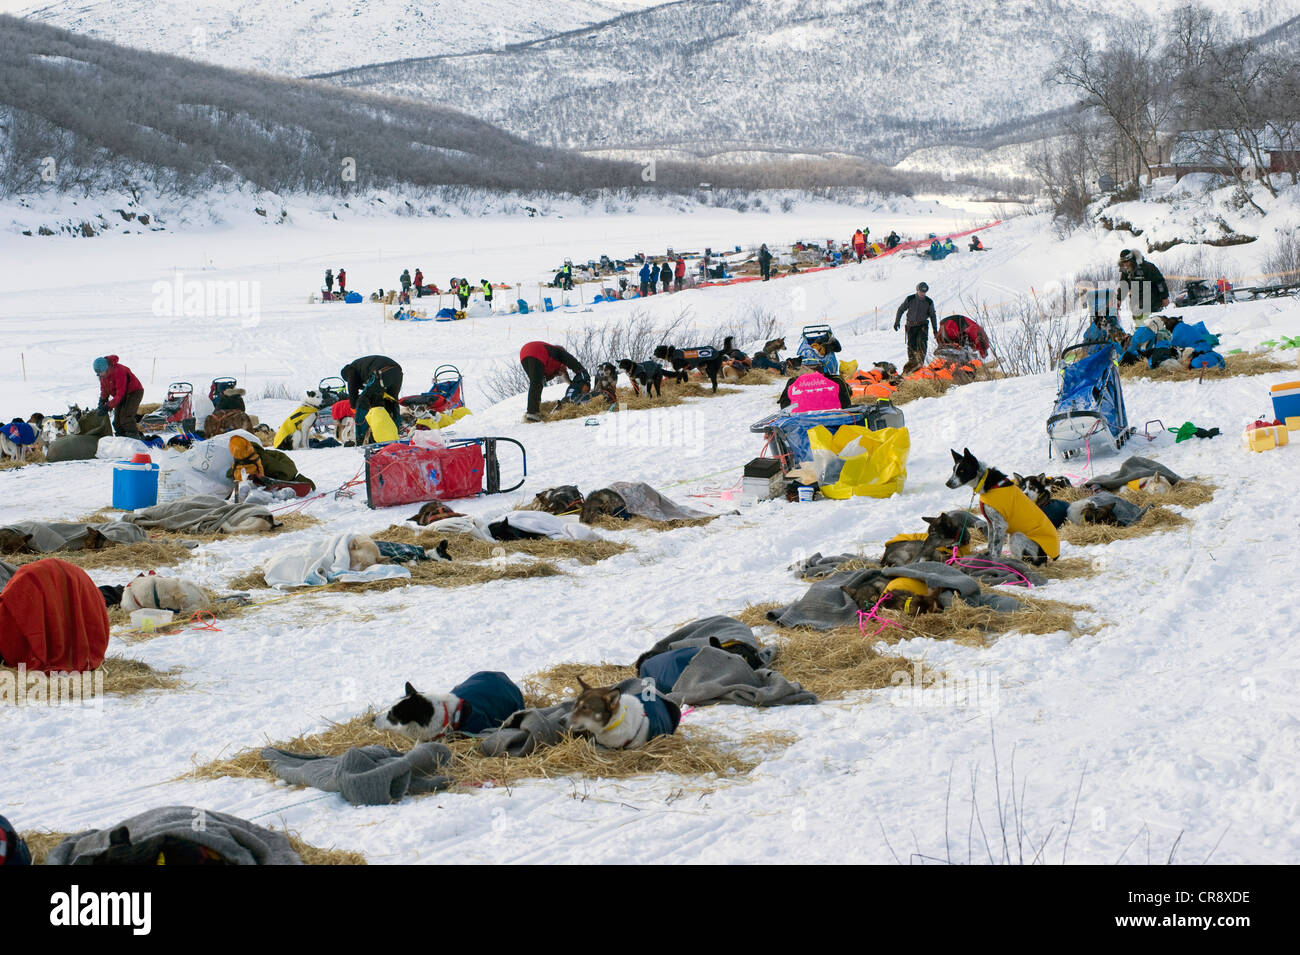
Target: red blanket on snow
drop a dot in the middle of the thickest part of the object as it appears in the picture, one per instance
(52, 617)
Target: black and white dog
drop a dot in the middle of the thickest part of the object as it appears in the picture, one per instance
(422, 716)
(1015, 522)
(647, 374)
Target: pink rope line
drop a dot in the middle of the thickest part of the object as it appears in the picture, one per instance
(979, 563)
(865, 615)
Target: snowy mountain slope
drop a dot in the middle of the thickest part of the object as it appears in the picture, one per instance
(299, 37)
(1176, 717)
(875, 78)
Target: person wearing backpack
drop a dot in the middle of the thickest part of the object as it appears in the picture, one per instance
(542, 362)
(406, 282)
(379, 378)
(121, 392)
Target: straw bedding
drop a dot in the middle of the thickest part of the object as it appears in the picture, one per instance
(690, 752)
(125, 677)
(41, 844)
(674, 393)
(1237, 365)
(148, 554)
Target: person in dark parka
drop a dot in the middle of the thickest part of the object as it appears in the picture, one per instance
(388, 375)
(919, 309)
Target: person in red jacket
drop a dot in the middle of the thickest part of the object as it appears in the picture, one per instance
(541, 363)
(419, 283)
(859, 244)
(343, 282)
(679, 272)
(121, 392)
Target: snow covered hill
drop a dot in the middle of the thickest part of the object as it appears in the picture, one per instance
(299, 37)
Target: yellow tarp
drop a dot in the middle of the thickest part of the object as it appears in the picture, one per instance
(381, 425)
(879, 472)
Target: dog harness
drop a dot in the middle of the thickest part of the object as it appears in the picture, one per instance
(622, 713)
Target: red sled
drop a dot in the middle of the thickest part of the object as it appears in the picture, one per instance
(403, 473)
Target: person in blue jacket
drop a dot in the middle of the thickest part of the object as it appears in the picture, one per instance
(644, 275)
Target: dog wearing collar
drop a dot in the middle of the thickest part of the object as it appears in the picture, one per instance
(422, 716)
(1015, 522)
(615, 719)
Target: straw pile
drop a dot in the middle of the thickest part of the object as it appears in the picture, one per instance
(1157, 519)
(148, 554)
(674, 393)
(689, 752)
(1237, 365)
(560, 683)
(474, 561)
(35, 456)
(609, 522)
(1186, 493)
(831, 663)
(221, 610)
(910, 389)
(126, 677)
(826, 651)
(41, 844)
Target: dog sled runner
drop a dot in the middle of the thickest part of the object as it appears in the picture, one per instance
(446, 393)
(176, 412)
(405, 473)
(1089, 411)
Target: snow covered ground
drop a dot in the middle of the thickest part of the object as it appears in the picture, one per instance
(1176, 716)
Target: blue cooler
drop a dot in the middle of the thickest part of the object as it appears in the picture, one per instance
(1286, 400)
(135, 485)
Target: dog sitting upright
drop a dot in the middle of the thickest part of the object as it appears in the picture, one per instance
(1014, 520)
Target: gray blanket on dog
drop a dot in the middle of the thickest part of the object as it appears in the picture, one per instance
(1125, 511)
(1133, 469)
(826, 606)
(6, 571)
(204, 514)
(641, 500)
(366, 775)
(711, 631)
(715, 675)
(48, 536)
(82, 445)
(527, 730)
(237, 840)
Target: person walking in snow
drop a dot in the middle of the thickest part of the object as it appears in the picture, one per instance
(764, 262)
(487, 292)
(859, 244)
(406, 282)
(462, 292)
(919, 309)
